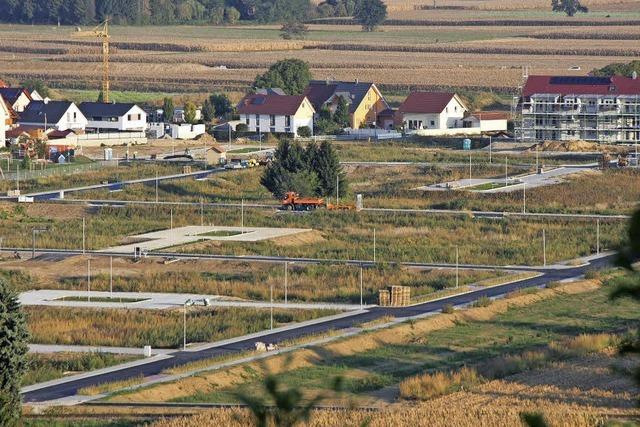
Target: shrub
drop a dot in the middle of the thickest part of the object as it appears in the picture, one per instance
(584, 344)
(448, 309)
(483, 301)
(508, 365)
(304, 132)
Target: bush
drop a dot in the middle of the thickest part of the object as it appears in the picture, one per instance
(483, 301)
(304, 132)
(448, 309)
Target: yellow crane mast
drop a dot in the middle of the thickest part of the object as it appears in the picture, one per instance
(101, 32)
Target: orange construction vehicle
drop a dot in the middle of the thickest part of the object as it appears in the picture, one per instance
(294, 202)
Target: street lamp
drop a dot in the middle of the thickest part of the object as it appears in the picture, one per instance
(187, 303)
(33, 239)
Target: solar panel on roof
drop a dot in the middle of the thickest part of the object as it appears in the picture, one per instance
(579, 80)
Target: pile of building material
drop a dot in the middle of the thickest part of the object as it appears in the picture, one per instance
(395, 296)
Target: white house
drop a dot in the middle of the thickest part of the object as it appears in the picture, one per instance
(18, 98)
(276, 113)
(433, 110)
(114, 117)
(186, 131)
(60, 115)
(487, 121)
(5, 116)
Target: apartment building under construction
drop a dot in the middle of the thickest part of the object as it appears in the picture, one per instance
(569, 108)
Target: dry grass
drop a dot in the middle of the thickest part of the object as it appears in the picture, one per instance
(109, 387)
(428, 386)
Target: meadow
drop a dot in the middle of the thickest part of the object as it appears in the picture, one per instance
(576, 323)
(158, 328)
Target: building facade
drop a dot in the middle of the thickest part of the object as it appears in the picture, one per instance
(59, 115)
(570, 108)
(114, 117)
(276, 113)
(432, 110)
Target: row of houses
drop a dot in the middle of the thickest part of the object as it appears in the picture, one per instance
(425, 113)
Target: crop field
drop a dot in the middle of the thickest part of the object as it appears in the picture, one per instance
(158, 328)
(504, 341)
(499, 38)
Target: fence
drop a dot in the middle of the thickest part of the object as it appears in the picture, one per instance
(109, 138)
(56, 169)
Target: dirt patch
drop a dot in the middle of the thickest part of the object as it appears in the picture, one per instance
(574, 146)
(301, 239)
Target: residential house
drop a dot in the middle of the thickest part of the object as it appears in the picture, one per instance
(60, 115)
(432, 110)
(487, 121)
(35, 96)
(114, 117)
(5, 120)
(276, 113)
(364, 100)
(587, 108)
(17, 97)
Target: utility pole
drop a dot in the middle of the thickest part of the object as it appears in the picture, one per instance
(337, 189)
(171, 219)
(201, 212)
(241, 216)
(89, 279)
(544, 249)
(457, 267)
(83, 236)
(286, 268)
(361, 288)
(524, 197)
(374, 245)
(469, 166)
(537, 160)
(271, 306)
(111, 276)
(184, 327)
(598, 236)
(490, 149)
(156, 187)
(506, 171)
(18, 177)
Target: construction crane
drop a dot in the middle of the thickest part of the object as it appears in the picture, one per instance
(101, 32)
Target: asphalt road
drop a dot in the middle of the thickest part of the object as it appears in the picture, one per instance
(182, 357)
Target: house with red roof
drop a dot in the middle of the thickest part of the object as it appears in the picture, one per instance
(432, 110)
(275, 113)
(586, 108)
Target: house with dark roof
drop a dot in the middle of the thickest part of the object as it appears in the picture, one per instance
(59, 115)
(113, 117)
(432, 110)
(17, 97)
(585, 108)
(275, 113)
(364, 100)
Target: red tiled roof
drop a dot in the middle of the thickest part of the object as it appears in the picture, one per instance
(490, 115)
(56, 134)
(426, 102)
(270, 104)
(570, 85)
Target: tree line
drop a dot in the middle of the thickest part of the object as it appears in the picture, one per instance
(141, 12)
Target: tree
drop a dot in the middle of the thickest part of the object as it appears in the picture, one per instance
(231, 15)
(13, 351)
(293, 30)
(370, 14)
(208, 111)
(341, 116)
(100, 97)
(570, 7)
(618, 69)
(37, 85)
(290, 75)
(304, 131)
(168, 109)
(330, 173)
(190, 112)
(221, 104)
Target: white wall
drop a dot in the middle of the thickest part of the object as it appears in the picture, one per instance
(123, 124)
(3, 126)
(21, 103)
(72, 119)
(451, 117)
(426, 120)
(493, 125)
(186, 131)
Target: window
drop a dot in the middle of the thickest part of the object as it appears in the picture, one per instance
(75, 115)
(455, 108)
(287, 121)
(247, 120)
(129, 117)
(433, 123)
(272, 120)
(257, 121)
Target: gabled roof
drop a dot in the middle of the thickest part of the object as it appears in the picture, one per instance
(270, 104)
(11, 94)
(581, 85)
(101, 109)
(36, 111)
(321, 91)
(426, 102)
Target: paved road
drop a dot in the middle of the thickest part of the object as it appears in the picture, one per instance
(70, 388)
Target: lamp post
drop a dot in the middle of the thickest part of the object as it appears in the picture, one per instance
(286, 268)
(33, 240)
(457, 268)
(374, 245)
(361, 288)
(184, 323)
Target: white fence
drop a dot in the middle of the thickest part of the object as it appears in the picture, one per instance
(447, 132)
(98, 139)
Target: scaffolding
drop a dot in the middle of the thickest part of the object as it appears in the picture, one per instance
(593, 118)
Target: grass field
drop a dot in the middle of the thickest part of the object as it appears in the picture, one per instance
(158, 328)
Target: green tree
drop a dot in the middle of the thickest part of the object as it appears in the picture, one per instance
(341, 116)
(293, 30)
(327, 166)
(208, 111)
(570, 7)
(100, 97)
(37, 85)
(190, 112)
(13, 351)
(618, 69)
(370, 14)
(168, 109)
(221, 104)
(231, 15)
(290, 75)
